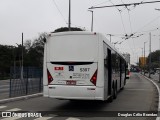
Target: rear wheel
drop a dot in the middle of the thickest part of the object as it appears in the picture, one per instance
(110, 99)
(115, 92)
(112, 94)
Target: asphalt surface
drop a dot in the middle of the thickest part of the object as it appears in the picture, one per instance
(138, 96)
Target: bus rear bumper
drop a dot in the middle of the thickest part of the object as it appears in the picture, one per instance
(72, 92)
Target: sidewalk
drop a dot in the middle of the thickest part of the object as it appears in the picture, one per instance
(157, 84)
(156, 80)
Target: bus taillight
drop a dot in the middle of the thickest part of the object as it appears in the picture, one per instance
(94, 78)
(50, 79)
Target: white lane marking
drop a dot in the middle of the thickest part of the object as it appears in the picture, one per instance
(14, 109)
(2, 107)
(43, 118)
(71, 118)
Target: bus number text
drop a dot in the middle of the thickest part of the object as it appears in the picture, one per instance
(84, 69)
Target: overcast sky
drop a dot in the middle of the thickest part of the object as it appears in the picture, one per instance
(36, 16)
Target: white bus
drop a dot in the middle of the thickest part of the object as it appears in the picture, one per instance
(82, 65)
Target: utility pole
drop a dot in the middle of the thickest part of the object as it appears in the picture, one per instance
(159, 60)
(69, 18)
(159, 48)
(22, 60)
(150, 55)
(92, 21)
(14, 61)
(142, 61)
(142, 52)
(144, 58)
(159, 70)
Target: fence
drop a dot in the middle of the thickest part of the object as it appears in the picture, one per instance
(29, 82)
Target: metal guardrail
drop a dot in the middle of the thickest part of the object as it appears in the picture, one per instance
(30, 83)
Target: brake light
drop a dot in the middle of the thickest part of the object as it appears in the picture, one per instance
(94, 78)
(128, 72)
(50, 79)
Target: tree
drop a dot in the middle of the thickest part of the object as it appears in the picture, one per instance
(63, 29)
(155, 59)
(34, 55)
(6, 58)
(28, 44)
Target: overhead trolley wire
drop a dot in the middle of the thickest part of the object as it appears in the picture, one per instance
(120, 16)
(60, 12)
(147, 24)
(119, 5)
(120, 11)
(128, 11)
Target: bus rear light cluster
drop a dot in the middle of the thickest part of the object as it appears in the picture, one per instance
(94, 78)
(50, 78)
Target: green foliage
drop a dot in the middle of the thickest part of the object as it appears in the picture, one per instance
(63, 29)
(12, 55)
(34, 52)
(6, 56)
(155, 59)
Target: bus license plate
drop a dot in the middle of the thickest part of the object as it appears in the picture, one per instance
(70, 82)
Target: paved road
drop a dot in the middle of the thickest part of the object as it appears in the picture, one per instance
(138, 95)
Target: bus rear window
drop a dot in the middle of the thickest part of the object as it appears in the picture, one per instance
(72, 48)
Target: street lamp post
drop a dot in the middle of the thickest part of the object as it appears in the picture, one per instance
(92, 21)
(69, 17)
(150, 55)
(142, 61)
(21, 59)
(20, 64)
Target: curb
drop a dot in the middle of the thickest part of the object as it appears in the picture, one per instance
(154, 83)
(20, 98)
